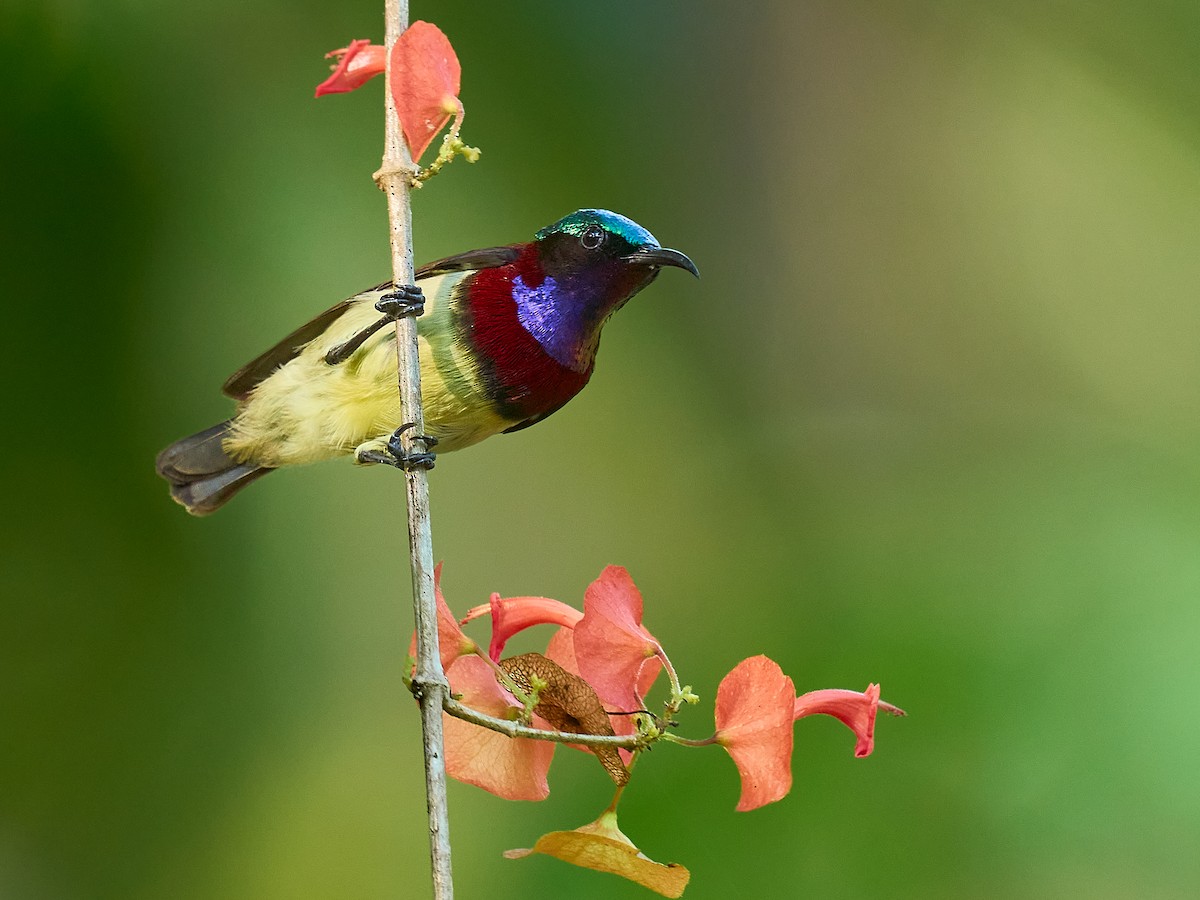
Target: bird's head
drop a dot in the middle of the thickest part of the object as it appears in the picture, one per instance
(605, 248)
(592, 261)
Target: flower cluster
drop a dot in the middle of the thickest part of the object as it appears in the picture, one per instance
(597, 669)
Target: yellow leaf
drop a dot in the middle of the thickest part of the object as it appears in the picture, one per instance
(602, 846)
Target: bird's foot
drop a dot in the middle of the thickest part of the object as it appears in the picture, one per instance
(393, 452)
(407, 300)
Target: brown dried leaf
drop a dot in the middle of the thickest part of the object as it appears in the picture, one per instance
(568, 703)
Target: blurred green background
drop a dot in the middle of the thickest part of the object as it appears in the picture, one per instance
(930, 418)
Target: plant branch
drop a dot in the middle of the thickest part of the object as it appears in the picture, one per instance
(516, 730)
(689, 742)
(431, 686)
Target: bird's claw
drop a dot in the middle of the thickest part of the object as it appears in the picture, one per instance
(395, 453)
(407, 300)
(396, 445)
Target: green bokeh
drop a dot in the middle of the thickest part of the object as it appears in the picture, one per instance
(930, 418)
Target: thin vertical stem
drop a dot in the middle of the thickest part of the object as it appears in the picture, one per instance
(429, 680)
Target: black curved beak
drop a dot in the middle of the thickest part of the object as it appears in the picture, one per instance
(661, 256)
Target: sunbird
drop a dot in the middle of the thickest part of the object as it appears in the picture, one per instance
(507, 335)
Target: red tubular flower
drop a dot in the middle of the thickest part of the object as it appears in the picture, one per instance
(754, 723)
(513, 614)
(514, 769)
(424, 81)
(853, 709)
(615, 652)
(357, 64)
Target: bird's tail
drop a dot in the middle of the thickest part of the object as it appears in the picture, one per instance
(202, 475)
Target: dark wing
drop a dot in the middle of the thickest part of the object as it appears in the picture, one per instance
(248, 377)
(488, 258)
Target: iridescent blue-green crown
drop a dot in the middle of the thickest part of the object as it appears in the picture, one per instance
(626, 229)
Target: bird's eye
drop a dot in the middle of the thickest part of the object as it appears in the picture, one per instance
(592, 237)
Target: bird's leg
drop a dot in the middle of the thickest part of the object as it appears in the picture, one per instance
(339, 353)
(393, 452)
(406, 301)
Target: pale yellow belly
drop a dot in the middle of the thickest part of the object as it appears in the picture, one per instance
(308, 410)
